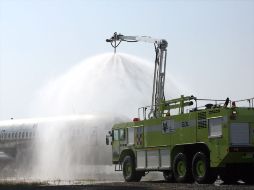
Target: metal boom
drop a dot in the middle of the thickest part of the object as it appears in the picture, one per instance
(160, 45)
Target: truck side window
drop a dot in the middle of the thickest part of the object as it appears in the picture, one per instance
(215, 127)
(116, 135)
(122, 134)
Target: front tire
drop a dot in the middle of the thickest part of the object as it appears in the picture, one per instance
(181, 169)
(201, 170)
(129, 172)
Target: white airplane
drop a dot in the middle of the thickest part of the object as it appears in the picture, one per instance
(78, 137)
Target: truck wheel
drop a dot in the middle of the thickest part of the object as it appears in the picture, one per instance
(201, 169)
(181, 170)
(168, 176)
(129, 172)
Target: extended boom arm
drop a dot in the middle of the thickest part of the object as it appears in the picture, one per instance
(160, 45)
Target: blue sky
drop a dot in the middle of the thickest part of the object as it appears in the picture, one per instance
(210, 53)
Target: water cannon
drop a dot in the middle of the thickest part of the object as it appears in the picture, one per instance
(116, 39)
(160, 46)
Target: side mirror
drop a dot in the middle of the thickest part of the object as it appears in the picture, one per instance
(107, 140)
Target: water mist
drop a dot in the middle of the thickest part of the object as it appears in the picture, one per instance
(90, 98)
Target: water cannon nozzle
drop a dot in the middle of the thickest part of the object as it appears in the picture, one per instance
(113, 40)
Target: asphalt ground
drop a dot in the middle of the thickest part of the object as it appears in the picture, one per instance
(147, 185)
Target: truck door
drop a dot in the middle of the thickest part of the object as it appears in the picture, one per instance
(115, 145)
(122, 139)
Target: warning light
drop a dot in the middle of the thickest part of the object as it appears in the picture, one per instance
(136, 119)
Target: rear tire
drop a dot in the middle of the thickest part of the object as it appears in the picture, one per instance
(201, 170)
(129, 172)
(181, 169)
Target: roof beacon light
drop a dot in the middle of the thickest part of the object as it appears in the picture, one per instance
(136, 119)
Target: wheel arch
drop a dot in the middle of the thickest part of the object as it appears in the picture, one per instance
(190, 150)
(128, 152)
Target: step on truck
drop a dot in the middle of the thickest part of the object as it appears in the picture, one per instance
(188, 139)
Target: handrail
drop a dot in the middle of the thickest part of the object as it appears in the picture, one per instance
(249, 100)
(217, 104)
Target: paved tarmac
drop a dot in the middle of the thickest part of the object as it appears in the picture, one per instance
(155, 185)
